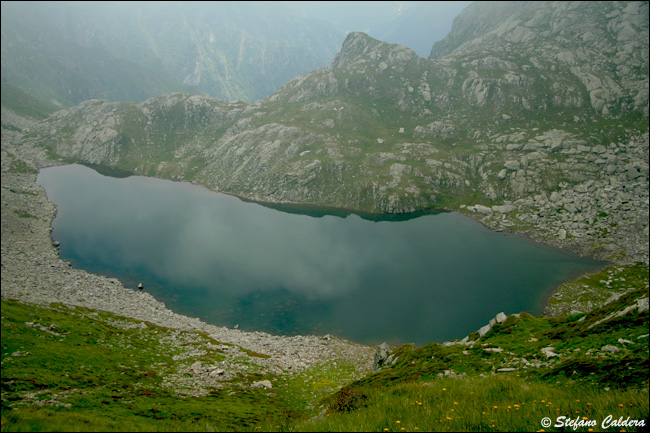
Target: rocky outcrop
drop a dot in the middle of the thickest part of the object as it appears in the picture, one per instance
(384, 357)
(474, 21)
(603, 211)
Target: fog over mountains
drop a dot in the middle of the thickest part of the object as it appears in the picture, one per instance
(63, 53)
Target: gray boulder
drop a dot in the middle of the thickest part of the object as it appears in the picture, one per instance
(383, 357)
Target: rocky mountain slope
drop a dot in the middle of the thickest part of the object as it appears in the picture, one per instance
(539, 126)
(474, 21)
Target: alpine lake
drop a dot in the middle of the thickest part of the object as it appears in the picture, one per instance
(294, 270)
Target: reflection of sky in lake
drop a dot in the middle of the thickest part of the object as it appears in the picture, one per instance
(426, 279)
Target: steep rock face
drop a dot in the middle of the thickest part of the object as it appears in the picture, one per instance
(474, 21)
(539, 125)
(604, 47)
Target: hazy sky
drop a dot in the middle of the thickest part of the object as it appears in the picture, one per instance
(52, 50)
(414, 24)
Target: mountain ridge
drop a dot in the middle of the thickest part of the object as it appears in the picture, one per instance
(383, 130)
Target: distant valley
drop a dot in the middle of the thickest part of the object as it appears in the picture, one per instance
(64, 53)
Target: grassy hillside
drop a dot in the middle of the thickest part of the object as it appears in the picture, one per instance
(75, 369)
(22, 104)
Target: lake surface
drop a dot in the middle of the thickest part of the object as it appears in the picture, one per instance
(427, 279)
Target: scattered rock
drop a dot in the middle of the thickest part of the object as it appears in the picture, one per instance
(484, 330)
(610, 348)
(262, 384)
(549, 352)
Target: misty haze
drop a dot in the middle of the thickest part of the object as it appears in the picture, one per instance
(325, 216)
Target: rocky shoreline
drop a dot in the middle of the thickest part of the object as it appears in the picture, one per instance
(604, 216)
(33, 272)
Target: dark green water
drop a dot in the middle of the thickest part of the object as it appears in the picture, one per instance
(426, 279)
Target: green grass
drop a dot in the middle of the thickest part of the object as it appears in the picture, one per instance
(71, 366)
(492, 403)
(74, 369)
(595, 289)
(23, 104)
(20, 166)
(459, 388)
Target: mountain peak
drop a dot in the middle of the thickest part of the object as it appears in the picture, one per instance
(355, 46)
(359, 48)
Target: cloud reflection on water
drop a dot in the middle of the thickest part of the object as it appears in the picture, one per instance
(433, 277)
